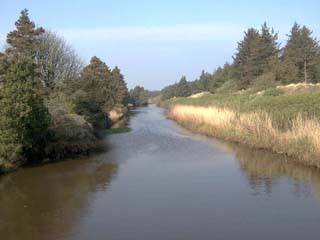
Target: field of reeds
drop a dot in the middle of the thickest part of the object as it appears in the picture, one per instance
(299, 140)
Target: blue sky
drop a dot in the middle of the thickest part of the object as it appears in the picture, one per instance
(155, 42)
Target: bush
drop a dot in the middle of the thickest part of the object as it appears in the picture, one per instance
(273, 92)
(264, 81)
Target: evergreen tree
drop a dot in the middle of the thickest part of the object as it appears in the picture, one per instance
(302, 50)
(138, 96)
(95, 94)
(26, 38)
(203, 82)
(220, 76)
(246, 60)
(169, 92)
(120, 86)
(23, 117)
(269, 49)
(257, 54)
(183, 89)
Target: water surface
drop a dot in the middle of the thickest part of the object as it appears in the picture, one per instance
(159, 182)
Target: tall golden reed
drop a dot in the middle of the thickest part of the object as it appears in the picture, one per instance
(301, 141)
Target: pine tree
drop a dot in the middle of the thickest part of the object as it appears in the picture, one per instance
(23, 117)
(26, 38)
(269, 49)
(183, 89)
(94, 93)
(120, 86)
(302, 50)
(138, 96)
(220, 76)
(246, 60)
(203, 82)
(257, 54)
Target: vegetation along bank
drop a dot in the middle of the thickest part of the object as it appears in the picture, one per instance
(267, 98)
(52, 105)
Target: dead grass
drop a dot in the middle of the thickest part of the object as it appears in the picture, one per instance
(301, 140)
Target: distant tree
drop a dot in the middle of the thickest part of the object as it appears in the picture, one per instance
(219, 77)
(93, 94)
(138, 96)
(183, 89)
(120, 86)
(302, 50)
(203, 82)
(26, 38)
(169, 91)
(23, 117)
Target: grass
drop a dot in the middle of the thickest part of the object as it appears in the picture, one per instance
(285, 123)
(282, 108)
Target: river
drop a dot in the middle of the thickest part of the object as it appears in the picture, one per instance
(159, 182)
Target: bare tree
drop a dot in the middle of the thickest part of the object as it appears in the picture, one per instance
(57, 60)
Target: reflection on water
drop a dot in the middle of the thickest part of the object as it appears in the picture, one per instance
(44, 202)
(158, 182)
(263, 170)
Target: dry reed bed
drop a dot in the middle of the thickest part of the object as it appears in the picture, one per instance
(301, 141)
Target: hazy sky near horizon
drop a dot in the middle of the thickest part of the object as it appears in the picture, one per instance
(155, 42)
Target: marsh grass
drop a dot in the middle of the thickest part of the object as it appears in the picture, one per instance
(256, 129)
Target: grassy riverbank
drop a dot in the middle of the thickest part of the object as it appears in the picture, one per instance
(284, 119)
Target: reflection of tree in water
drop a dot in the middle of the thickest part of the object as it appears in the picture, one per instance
(264, 169)
(45, 202)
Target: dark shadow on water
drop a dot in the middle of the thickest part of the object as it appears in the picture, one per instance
(44, 202)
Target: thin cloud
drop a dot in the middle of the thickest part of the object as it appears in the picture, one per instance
(169, 33)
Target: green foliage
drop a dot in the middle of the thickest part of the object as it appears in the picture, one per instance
(97, 91)
(259, 64)
(183, 89)
(120, 89)
(302, 51)
(281, 107)
(26, 38)
(273, 92)
(265, 81)
(49, 103)
(138, 96)
(23, 117)
(256, 53)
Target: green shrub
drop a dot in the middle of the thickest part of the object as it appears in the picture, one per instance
(273, 92)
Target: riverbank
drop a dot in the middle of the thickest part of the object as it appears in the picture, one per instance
(284, 120)
(71, 136)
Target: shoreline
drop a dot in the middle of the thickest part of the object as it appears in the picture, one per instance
(63, 151)
(252, 130)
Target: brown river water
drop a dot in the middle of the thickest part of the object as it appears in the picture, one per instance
(161, 182)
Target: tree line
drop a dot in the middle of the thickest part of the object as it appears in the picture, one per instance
(259, 62)
(47, 94)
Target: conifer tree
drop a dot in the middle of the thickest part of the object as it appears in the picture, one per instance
(257, 54)
(94, 91)
(183, 89)
(138, 96)
(220, 76)
(23, 117)
(302, 50)
(26, 38)
(120, 86)
(203, 82)
(269, 49)
(246, 60)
